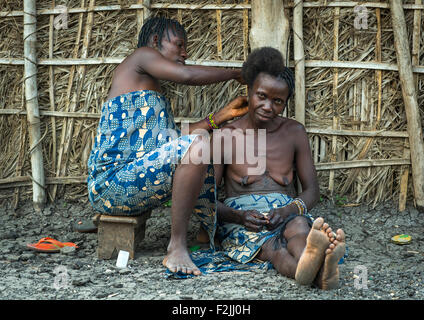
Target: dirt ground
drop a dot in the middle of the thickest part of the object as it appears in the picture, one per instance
(376, 269)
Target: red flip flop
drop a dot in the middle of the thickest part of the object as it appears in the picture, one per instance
(49, 245)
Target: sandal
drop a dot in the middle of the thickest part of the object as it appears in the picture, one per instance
(49, 245)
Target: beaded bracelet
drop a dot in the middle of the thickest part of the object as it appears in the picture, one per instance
(211, 122)
(301, 206)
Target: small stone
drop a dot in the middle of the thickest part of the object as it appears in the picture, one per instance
(80, 282)
(67, 250)
(12, 257)
(26, 256)
(124, 271)
(101, 295)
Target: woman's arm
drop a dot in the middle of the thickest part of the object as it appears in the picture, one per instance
(236, 108)
(153, 63)
(305, 168)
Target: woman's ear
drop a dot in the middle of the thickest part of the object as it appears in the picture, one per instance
(154, 41)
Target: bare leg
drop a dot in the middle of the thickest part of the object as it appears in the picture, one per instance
(187, 183)
(202, 236)
(283, 259)
(328, 277)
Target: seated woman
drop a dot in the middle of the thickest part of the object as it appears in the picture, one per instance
(261, 216)
(135, 164)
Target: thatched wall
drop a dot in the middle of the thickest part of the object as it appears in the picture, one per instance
(346, 104)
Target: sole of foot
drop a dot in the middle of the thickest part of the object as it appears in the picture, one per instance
(313, 256)
(329, 276)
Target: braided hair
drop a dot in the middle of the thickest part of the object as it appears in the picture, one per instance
(287, 76)
(270, 61)
(158, 25)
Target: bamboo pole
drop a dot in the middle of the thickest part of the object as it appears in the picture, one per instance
(410, 100)
(270, 26)
(140, 18)
(299, 62)
(77, 91)
(404, 177)
(370, 65)
(299, 67)
(15, 182)
(31, 97)
(245, 38)
(68, 95)
(142, 14)
(324, 131)
(219, 32)
(415, 61)
(335, 96)
(245, 32)
(51, 91)
(170, 6)
(20, 162)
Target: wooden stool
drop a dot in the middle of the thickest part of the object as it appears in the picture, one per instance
(117, 233)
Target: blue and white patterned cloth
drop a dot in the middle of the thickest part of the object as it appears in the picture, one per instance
(136, 151)
(236, 241)
(238, 246)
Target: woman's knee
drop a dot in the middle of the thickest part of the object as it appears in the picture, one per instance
(299, 225)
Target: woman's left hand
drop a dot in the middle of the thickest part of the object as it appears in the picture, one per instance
(277, 216)
(236, 108)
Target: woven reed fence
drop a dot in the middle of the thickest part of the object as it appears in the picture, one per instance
(354, 111)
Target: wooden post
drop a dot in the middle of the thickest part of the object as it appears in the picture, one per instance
(68, 96)
(299, 68)
(333, 154)
(245, 38)
(219, 32)
(270, 26)
(31, 97)
(415, 61)
(66, 139)
(51, 92)
(143, 14)
(299, 62)
(410, 100)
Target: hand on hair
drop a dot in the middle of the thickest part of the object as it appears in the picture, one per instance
(236, 108)
(241, 80)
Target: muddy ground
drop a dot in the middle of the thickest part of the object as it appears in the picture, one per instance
(376, 269)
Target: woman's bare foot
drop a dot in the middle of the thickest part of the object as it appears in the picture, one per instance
(178, 259)
(313, 256)
(328, 277)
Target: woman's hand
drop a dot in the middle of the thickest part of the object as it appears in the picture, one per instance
(240, 80)
(252, 220)
(277, 216)
(236, 108)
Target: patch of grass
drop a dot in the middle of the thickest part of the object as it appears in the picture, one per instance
(340, 201)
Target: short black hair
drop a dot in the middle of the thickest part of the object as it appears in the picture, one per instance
(158, 25)
(270, 61)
